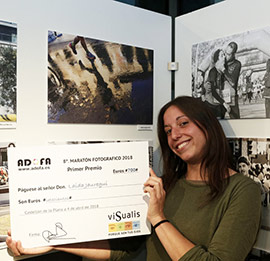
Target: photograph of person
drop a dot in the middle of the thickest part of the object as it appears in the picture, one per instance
(94, 81)
(4, 192)
(252, 159)
(200, 209)
(238, 82)
(8, 74)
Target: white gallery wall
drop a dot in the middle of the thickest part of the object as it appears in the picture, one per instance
(218, 21)
(105, 20)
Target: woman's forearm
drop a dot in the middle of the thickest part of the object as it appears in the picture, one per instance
(173, 241)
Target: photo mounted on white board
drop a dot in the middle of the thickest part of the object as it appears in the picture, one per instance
(8, 74)
(232, 74)
(4, 192)
(252, 159)
(99, 82)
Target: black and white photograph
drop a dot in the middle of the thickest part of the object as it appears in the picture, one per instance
(94, 81)
(252, 159)
(8, 74)
(232, 74)
(4, 192)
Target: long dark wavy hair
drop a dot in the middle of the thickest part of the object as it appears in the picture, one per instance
(217, 156)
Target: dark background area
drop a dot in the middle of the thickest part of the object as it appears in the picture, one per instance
(170, 7)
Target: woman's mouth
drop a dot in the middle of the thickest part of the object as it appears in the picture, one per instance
(183, 144)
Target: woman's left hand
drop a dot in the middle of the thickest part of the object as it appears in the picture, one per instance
(154, 187)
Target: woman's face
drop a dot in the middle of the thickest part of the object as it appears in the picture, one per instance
(221, 56)
(185, 138)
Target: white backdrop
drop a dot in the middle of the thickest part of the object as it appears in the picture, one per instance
(99, 19)
(217, 21)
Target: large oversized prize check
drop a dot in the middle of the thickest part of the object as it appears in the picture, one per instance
(75, 193)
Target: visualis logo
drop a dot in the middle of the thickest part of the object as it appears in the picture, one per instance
(28, 162)
(118, 215)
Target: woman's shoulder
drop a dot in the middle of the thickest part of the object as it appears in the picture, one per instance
(243, 192)
(239, 182)
(240, 178)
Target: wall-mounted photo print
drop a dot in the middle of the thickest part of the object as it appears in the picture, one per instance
(94, 81)
(8, 74)
(232, 74)
(4, 192)
(252, 159)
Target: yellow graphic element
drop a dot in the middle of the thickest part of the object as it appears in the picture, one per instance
(8, 117)
(112, 227)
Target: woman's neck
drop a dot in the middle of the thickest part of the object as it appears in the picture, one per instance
(194, 172)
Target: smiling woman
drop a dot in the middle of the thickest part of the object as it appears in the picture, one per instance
(199, 192)
(199, 127)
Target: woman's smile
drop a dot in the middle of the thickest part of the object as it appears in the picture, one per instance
(182, 145)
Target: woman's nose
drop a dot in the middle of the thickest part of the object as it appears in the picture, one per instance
(176, 133)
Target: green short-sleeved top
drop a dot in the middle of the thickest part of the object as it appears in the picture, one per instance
(224, 229)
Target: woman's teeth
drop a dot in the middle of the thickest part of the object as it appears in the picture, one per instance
(182, 145)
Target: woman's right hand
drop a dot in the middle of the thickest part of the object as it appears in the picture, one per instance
(154, 187)
(16, 248)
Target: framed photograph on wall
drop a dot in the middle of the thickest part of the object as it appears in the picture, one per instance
(4, 192)
(94, 81)
(232, 74)
(8, 74)
(252, 159)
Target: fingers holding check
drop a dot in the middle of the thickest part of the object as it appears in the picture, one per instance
(13, 245)
(154, 186)
(16, 247)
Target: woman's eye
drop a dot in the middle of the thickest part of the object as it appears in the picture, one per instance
(183, 123)
(168, 132)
